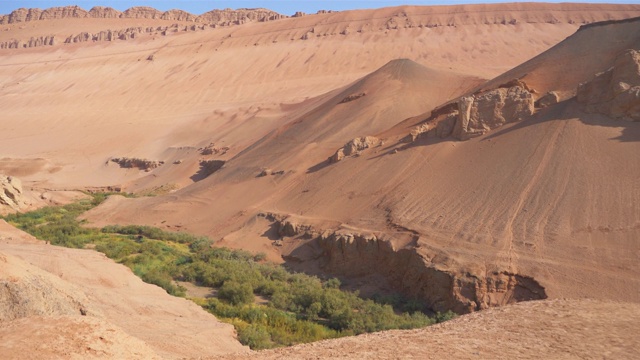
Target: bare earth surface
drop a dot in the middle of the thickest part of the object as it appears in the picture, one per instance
(331, 143)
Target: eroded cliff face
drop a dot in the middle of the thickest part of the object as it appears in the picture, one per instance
(429, 276)
(476, 114)
(11, 194)
(615, 92)
(415, 275)
(211, 19)
(218, 17)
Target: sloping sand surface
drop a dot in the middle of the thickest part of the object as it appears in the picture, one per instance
(237, 83)
(503, 203)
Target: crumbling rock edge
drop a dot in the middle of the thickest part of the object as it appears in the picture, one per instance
(11, 194)
(615, 92)
(354, 147)
(142, 164)
(440, 285)
(474, 115)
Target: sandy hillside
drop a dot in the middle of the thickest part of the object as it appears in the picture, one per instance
(462, 225)
(332, 142)
(556, 329)
(230, 85)
(62, 303)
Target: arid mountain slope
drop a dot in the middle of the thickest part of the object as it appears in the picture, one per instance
(555, 70)
(472, 222)
(462, 225)
(230, 86)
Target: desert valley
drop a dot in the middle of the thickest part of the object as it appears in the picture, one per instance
(469, 160)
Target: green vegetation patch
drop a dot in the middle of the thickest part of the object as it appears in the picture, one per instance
(300, 308)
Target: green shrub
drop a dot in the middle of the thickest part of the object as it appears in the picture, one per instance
(236, 293)
(255, 336)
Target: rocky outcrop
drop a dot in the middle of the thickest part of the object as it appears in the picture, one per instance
(122, 34)
(267, 172)
(32, 42)
(354, 147)
(26, 290)
(11, 44)
(212, 149)
(430, 277)
(229, 17)
(547, 99)
(63, 13)
(102, 12)
(224, 17)
(416, 276)
(492, 109)
(129, 33)
(615, 92)
(352, 97)
(142, 164)
(24, 15)
(178, 15)
(142, 12)
(11, 194)
(473, 115)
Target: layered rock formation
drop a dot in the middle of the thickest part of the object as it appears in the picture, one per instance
(142, 12)
(142, 164)
(11, 194)
(415, 275)
(474, 115)
(414, 272)
(32, 42)
(24, 15)
(214, 18)
(228, 17)
(217, 17)
(615, 92)
(104, 12)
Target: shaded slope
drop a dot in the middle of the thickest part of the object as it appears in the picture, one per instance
(234, 85)
(392, 93)
(533, 199)
(313, 132)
